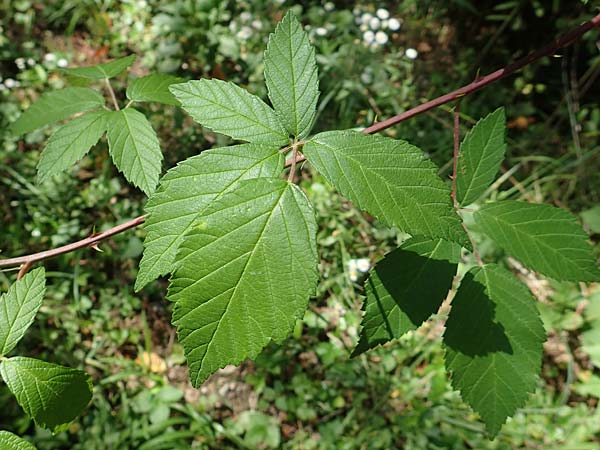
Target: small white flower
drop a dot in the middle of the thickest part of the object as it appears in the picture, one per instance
(30, 62)
(394, 24)
(356, 11)
(10, 83)
(321, 31)
(20, 63)
(383, 13)
(384, 24)
(2, 87)
(232, 26)
(381, 38)
(411, 53)
(246, 16)
(363, 264)
(366, 17)
(364, 27)
(62, 62)
(184, 66)
(374, 23)
(49, 57)
(244, 33)
(366, 78)
(329, 6)
(368, 36)
(257, 24)
(36, 232)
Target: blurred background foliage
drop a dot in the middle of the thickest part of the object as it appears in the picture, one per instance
(375, 59)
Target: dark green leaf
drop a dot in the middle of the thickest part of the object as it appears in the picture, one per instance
(101, 71)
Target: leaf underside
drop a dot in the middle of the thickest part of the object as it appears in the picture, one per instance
(493, 342)
(153, 88)
(100, 71)
(405, 288)
(546, 239)
(390, 179)
(188, 189)
(244, 275)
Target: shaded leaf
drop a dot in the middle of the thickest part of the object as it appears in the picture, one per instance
(19, 306)
(390, 179)
(52, 395)
(405, 288)
(187, 190)
(55, 106)
(228, 109)
(71, 142)
(493, 342)
(291, 76)
(134, 148)
(153, 88)
(101, 71)
(245, 274)
(546, 239)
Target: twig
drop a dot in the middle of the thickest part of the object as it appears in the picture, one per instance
(293, 164)
(23, 270)
(112, 94)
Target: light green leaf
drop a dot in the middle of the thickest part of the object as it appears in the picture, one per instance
(591, 219)
(134, 148)
(188, 189)
(390, 179)
(481, 154)
(245, 274)
(406, 287)
(546, 239)
(228, 109)
(71, 142)
(18, 308)
(291, 76)
(52, 395)
(153, 88)
(55, 106)
(493, 342)
(590, 343)
(9, 441)
(101, 71)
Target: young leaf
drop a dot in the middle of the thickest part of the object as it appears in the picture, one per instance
(71, 142)
(188, 189)
(546, 239)
(134, 148)
(52, 395)
(493, 342)
(153, 88)
(228, 109)
(101, 71)
(18, 308)
(390, 179)
(406, 287)
(55, 106)
(245, 274)
(481, 154)
(291, 76)
(9, 441)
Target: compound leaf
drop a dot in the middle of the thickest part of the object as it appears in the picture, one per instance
(52, 395)
(55, 106)
(481, 154)
(493, 341)
(244, 275)
(390, 179)
(406, 287)
(546, 239)
(134, 148)
(188, 189)
(291, 76)
(18, 308)
(71, 142)
(9, 441)
(228, 109)
(153, 88)
(101, 71)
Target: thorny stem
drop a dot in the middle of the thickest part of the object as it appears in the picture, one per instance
(478, 84)
(293, 164)
(456, 150)
(112, 94)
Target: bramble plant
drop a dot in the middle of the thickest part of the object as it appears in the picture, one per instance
(239, 240)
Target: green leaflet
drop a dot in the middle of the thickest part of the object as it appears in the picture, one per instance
(245, 274)
(291, 76)
(52, 395)
(71, 142)
(546, 239)
(390, 179)
(101, 71)
(153, 88)
(188, 189)
(55, 106)
(406, 287)
(134, 148)
(493, 342)
(481, 154)
(18, 308)
(228, 109)
(9, 441)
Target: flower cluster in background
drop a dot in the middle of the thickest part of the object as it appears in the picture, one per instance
(356, 267)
